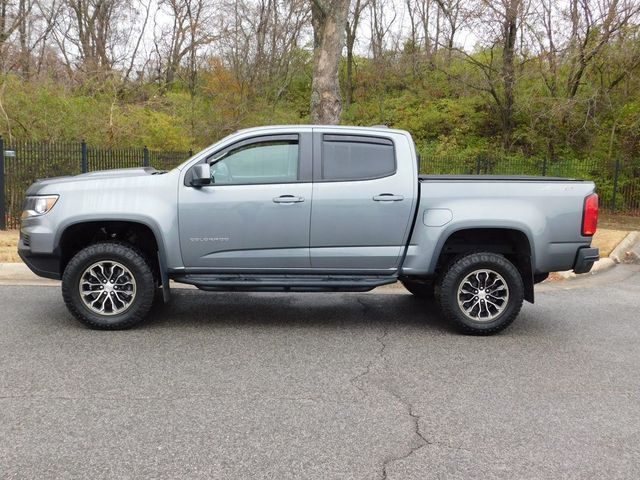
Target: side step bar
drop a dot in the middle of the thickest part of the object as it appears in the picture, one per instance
(285, 283)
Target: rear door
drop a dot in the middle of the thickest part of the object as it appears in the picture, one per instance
(255, 215)
(363, 200)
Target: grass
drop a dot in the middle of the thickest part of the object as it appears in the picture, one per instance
(9, 246)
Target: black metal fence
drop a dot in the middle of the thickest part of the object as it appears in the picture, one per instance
(21, 163)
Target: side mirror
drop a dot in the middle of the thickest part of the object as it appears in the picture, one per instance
(201, 175)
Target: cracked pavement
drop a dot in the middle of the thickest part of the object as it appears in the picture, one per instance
(324, 386)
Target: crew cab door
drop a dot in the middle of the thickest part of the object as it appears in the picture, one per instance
(255, 214)
(363, 200)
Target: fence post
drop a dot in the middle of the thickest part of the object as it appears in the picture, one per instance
(616, 174)
(85, 159)
(3, 210)
(145, 157)
(190, 152)
(478, 165)
(544, 166)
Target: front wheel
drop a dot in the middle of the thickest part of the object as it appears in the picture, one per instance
(481, 293)
(108, 286)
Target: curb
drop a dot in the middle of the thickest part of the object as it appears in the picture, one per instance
(601, 265)
(618, 255)
(623, 252)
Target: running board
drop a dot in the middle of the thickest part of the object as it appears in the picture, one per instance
(285, 283)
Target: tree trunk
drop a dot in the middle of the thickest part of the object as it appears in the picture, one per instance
(329, 19)
(25, 54)
(349, 80)
(351, 31)
(508, 70)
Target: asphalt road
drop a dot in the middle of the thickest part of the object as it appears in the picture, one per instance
(316, 386)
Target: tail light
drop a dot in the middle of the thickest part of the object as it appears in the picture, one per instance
(590, 215)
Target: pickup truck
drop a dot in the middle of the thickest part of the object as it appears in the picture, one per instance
(306, 209)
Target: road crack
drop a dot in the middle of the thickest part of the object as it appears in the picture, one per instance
(419, 440)
(357, 380)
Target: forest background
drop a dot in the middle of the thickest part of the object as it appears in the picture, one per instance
(528, 80)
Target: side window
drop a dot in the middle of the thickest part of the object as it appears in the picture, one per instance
(348, 157)
(272, 161)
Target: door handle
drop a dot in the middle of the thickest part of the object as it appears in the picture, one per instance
(288, 199)
(388, 197)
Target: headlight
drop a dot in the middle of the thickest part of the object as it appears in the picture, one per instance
(35, 206)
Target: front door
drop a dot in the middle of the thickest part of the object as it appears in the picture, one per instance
(255, 215)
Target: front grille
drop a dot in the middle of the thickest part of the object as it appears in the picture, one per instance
(26, 240)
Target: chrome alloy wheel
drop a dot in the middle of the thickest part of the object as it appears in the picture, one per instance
(107, 288)
(483, 295)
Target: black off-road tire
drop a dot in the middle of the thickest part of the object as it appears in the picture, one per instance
(128, 256)
(424, 290)
(447, 292)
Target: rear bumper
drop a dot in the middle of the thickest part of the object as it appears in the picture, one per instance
(585, 259)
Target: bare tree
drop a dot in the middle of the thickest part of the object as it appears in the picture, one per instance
(260, 43)
(593, 25)
(496, 60)
(12, 18)
(412, 43)
(353, 22)
(92, 27)
(423, 9)
(382, 17)
(455, 17)
(329, 20)
(191, 28)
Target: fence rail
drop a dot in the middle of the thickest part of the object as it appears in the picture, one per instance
(21, 163)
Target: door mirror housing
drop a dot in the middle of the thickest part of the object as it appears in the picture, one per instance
(201, 175)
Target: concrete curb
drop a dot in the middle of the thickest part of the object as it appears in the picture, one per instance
(618, 255)
(600, 266)
(623, 251)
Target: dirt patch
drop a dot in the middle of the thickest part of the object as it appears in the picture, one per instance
(618, 222)
(607, 240)
(9, 246)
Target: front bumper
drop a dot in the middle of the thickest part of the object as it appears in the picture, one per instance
(45, 265)
(585, 259)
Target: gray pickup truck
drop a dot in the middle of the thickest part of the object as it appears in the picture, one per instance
(306, 209)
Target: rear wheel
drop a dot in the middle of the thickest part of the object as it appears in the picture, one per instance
(481, 293)
(108, 286)
(419, 289)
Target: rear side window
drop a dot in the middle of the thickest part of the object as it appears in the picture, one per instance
(352, 157)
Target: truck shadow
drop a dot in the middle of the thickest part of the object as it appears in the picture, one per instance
(194, 308)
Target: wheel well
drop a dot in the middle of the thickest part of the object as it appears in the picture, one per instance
(513, 244)
(80, 235)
